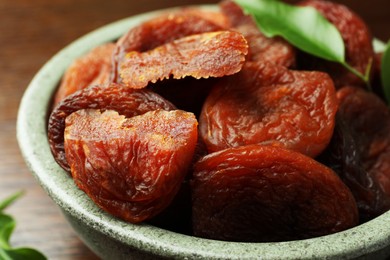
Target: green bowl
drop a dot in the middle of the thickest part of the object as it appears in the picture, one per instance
(111, 238)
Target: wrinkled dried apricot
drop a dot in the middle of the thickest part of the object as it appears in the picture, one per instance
(94, 68)
(126, 101)
(360, 149)
(265, 102)
(260, 193)
(213, 54)
(158, 31)
(130, 167)
(357, 38)
(261, 48)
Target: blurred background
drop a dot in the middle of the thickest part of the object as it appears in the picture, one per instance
(30, 33)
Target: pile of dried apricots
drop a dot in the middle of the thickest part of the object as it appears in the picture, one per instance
(196, 122)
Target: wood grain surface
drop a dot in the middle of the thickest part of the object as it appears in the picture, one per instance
(30, 33)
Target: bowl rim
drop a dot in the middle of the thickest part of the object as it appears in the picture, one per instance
(32, 139)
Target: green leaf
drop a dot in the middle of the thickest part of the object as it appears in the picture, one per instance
(7, 225)
(304, 27)
(385, 72)
(378, 45)
(22, 254)
(8, 201)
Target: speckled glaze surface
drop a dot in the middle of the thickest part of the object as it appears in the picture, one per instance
(111, 238)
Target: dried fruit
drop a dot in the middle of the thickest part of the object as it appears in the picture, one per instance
(126, 101)
(213, 54)
(94, 68)
(360, 149)
(131, 167)
(158, 31)
(260, 193)
(268, 103)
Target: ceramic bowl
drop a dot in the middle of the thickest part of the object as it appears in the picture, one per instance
(111, 238)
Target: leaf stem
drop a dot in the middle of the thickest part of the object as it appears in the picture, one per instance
(357, 73)
(3, 255)
(9, 200)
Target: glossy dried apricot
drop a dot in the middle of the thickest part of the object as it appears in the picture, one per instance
(357, 38)
(261, 193)
(269, 103)
(130, 167)
(360, 149)
(94, 68)
(126, 101)
(213, 54)
(158, 31)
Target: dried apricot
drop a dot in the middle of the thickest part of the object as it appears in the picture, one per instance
(360, 149)
(126, 101)
(213, 54)
(357, 38)
(265, 102)
(94, 68)
(158, 31)
(261, 193)
(130, 167)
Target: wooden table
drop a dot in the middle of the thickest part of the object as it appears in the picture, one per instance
(30, 33)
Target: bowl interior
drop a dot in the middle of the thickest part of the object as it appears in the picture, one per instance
(32, 138)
